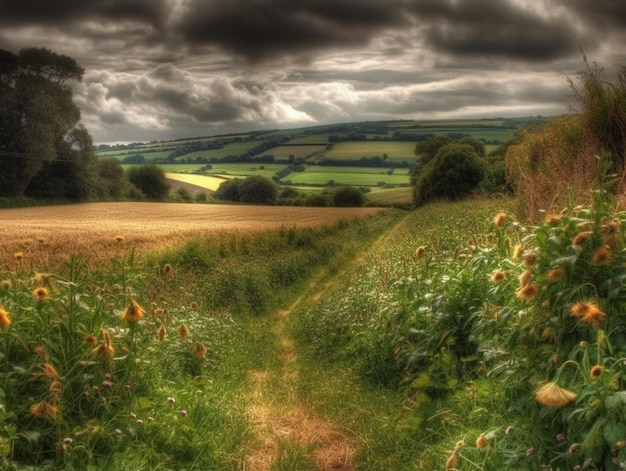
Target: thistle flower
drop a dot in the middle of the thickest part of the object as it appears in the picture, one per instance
(530, 258)
(581, 238)
(44, 410)
(5, 320)
(525, 278)
(588, 312)
(91, 339)
(610, 230)
(183, 332)
(104, 351)
(499, 219)
(41, 352)
(527, 292)
(552, 395)
(55, 388)
(481, 441)
(595, 371)
(49, 371)
(133, 313)
(601, 256)
(497, 276)
(420, 251)
(556, 274)
(199, 350)
(41, 294)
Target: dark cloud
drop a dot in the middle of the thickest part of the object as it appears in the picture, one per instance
(501, 29)
(601, 14)
(261, 29)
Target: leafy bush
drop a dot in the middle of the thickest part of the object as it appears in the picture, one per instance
(229, 190)
(454, 173)
(257, 189)
(150, 180)
(348, 196)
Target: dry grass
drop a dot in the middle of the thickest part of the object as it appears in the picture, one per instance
(47, 235)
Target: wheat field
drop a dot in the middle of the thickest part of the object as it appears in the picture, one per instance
(45, 236)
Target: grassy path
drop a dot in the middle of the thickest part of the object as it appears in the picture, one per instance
(289, 435)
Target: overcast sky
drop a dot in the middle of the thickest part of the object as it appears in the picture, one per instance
(160, 69)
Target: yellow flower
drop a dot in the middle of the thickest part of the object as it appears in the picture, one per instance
(5, 321)
(133, 313)
(41, 294)
(183, 332)
(199, 350)
(45, 410)
(527, 292)
(481, 441)
(499, 219)
(595, 371)
(552, 395)
(601, 256)
(421, 250)
(497, 276)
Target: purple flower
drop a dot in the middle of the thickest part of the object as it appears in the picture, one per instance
(107, 376)
(107, 384)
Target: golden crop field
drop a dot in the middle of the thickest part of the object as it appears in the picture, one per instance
(209, 182)
(46, 235)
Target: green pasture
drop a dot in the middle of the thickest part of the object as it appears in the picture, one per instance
(321, 139)
(245, 169)
(284, 152)
(357, 176)
(396, 151)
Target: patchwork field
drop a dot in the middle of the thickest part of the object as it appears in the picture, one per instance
(45, 235)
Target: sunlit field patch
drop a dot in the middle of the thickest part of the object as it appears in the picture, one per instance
(47, 234)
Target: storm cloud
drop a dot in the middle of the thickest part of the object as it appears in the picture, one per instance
(158, 69)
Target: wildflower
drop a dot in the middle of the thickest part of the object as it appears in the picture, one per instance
(5, 320)
(552, 219)
(527, 292)
(573, 448)
(55, 388)
(194, 305)
(509, 430)
(161, 334)
(596, 371)
(581, 238)
(133, 313)
(525, 278)
(18, 256)
(139, 422)
(594, 318)
(183, 413)
(497, 276)
(421, 250)
(117, 432)
(451, 462)
(530, 258)
(43, 279)
(499, 219)
(481, 441)
(119, 238)
(199, 350)
(167, 268)
(560, 438)
(601, 256)
(44, 410)
(91, 339)
(49, 371)
(104, 351)
(583, 344)
(517, 251)
(556, 274)
(552, 395)
(150, 419)
(107, 384)
(611, 229)
(41, 352)
(183, 332)
(41, 294)
(67, 441)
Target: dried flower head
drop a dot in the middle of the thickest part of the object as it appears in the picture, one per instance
(420, 251)
(55, 389)
(104, 351)
(167, 268)
(588, 312)
(552, 395)
(525, 278)
(481, 441)
(552, 219)
(530, 259)
(41, 294)
(133, 312)
(5, 320)
(91, 339)
(581, 238)
(499, 219)
(528, 291)
(44, 410)
(497, 276)
(161, 334)
(41, 351)
(183, 332)
(194, 305)
(595, 371)
(556, 274)
(199, 350)
(601, 256)
(49, 371)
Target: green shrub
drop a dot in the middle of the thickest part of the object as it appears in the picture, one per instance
(348, 196)
(257, 189)
(150, 180)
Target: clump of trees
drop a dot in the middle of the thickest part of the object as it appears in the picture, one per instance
(254, 189)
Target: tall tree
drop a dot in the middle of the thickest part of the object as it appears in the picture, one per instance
(37, 114)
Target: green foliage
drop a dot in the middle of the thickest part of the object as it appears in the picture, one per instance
(348, 196)
(229, 190)
(453, 174)
(257, 189)
(150, 180)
